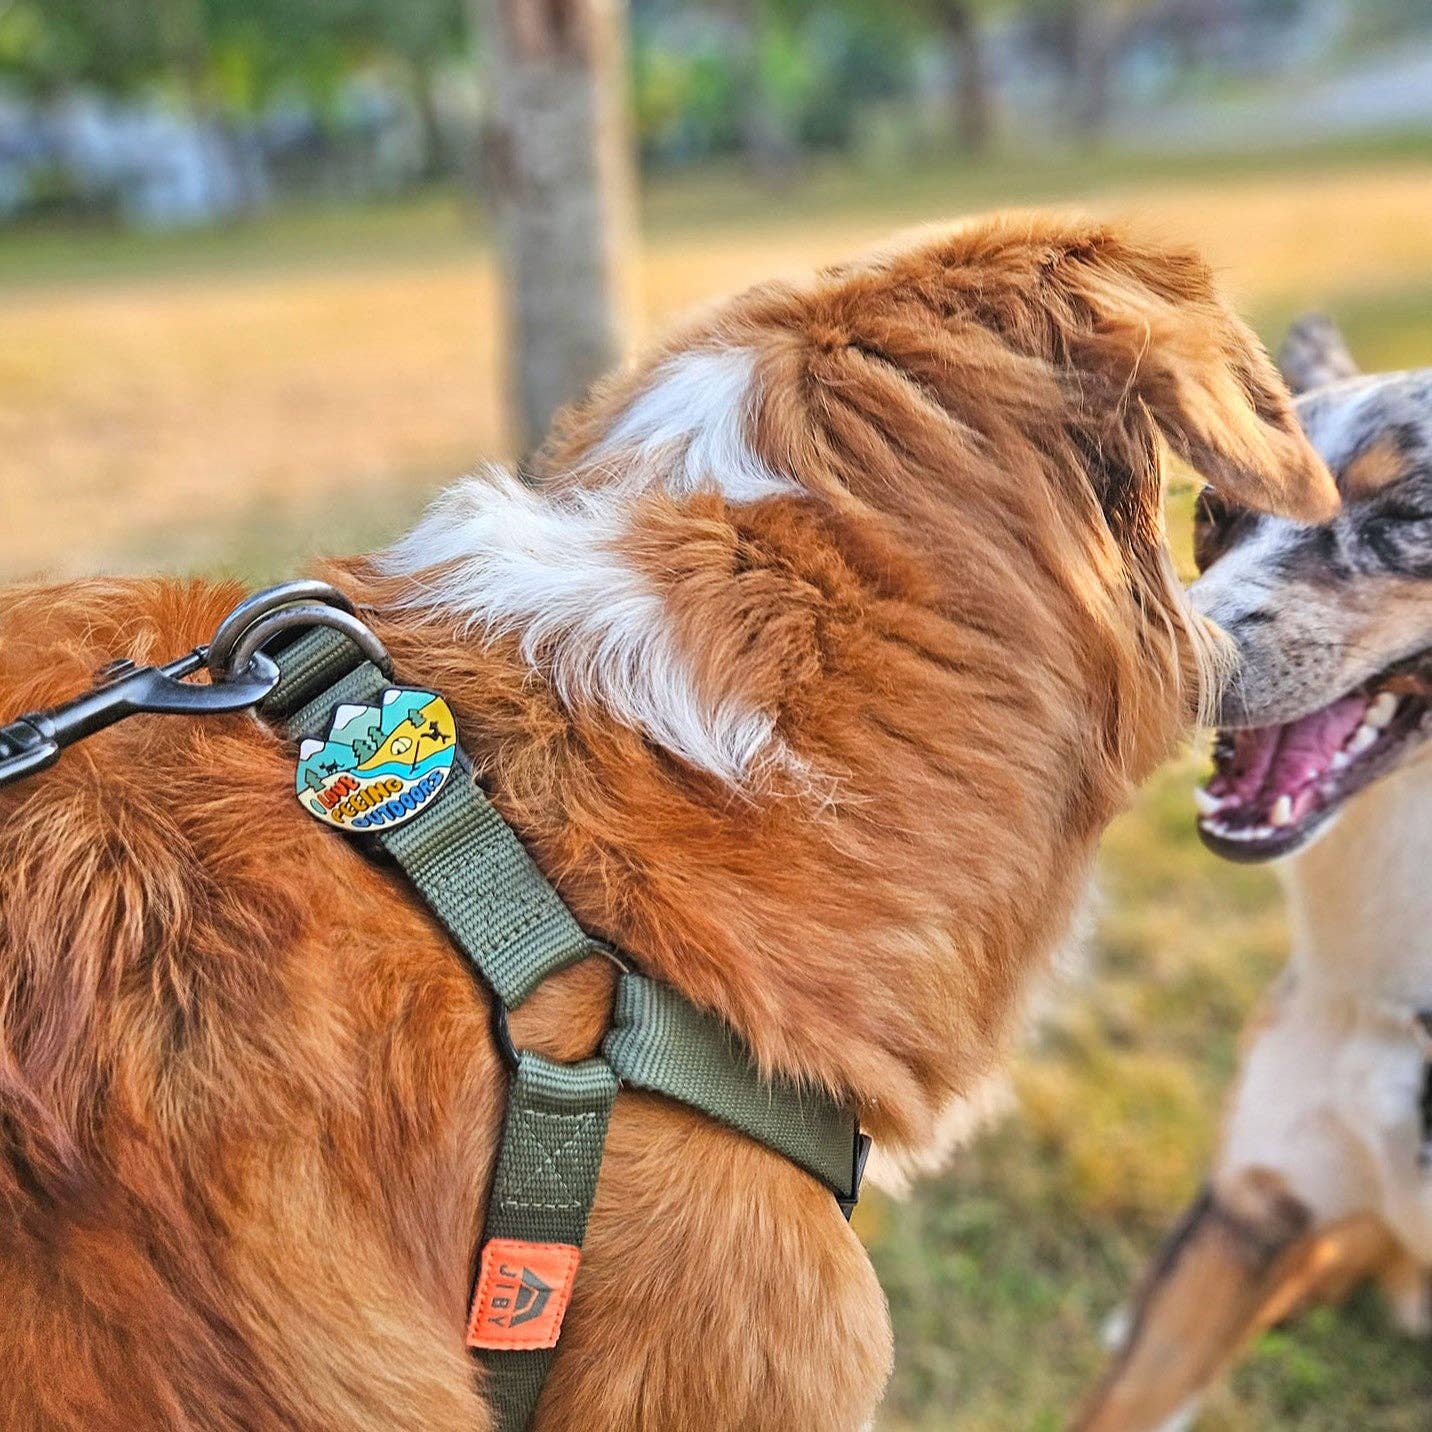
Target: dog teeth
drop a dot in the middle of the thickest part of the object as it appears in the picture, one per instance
(1206, 802)
(1282, 812)
(1382, 710)
(1363, 739)
(1340, 761)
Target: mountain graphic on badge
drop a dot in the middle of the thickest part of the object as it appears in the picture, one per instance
(378, 765)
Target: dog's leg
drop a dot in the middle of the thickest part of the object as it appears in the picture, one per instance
(1407, 1286)
(1314, 353)
(1242, 1259)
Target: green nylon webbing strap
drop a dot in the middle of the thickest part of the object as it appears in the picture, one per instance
(480, 882)
(308, 668)
(463, 858)
(663, 1043)
(546, 1181)
(478, 879)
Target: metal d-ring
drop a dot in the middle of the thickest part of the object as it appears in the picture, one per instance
(610, 952)
(502, 1027)
(226, 635)
(304, 603)
(502, 1036)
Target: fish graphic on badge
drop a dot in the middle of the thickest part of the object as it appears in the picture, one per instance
(379, 764)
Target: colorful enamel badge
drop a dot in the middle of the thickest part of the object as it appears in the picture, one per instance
(378, 765)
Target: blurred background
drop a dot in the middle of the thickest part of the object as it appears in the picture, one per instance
(272, 271)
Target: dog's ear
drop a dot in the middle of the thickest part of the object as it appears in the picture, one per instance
(1314, 353)
(1148, 327)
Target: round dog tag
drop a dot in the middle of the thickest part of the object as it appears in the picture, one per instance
(377, 766)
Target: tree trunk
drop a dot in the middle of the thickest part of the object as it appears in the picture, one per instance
(1098, 40)
(768, 141)
(974, 105)
(1091, 101)
(771, 149)
(560, 176)
(430, 124)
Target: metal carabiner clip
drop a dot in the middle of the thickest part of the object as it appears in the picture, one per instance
(34, 741)
(241, 675)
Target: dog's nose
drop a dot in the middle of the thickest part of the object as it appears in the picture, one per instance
(1235, 603)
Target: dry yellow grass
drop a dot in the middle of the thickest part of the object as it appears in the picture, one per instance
(141, 419)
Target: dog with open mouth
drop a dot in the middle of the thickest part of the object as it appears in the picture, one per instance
(1333, 624)
(1324, 1175)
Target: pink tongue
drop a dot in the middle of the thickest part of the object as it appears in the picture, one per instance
(1277, 760)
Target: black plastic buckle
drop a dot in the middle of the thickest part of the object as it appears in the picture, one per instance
(859, 1156)
(34, 741)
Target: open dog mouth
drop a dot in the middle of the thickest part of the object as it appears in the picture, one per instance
(1274, 787)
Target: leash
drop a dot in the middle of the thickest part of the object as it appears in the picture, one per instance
(382, 762)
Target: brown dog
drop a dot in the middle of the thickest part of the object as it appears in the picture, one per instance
(810, 668)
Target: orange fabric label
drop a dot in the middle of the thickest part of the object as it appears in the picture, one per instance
(522, 1294)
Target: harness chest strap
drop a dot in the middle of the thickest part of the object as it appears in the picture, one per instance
(477, 878)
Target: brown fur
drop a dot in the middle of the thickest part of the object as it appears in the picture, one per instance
(1243, 1259)
(248, 1095)
(1374, 468)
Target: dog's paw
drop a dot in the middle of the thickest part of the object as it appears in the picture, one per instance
(1408, 1289)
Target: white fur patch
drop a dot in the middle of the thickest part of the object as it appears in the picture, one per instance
(689, 431)
(1181, 1420)
(549, 568)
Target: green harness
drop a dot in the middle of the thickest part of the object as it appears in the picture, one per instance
(476, 877)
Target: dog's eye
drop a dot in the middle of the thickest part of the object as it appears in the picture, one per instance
(1214, 522)
(1400, 534)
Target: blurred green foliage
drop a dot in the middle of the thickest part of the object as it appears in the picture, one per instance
(769, 78)
(233, 54)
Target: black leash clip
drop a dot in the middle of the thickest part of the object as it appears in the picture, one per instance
(241, 675)
(34, 741)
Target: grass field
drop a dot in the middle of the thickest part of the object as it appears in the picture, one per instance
(242, 399)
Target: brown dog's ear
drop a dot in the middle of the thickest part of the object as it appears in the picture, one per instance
(1148, 326)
